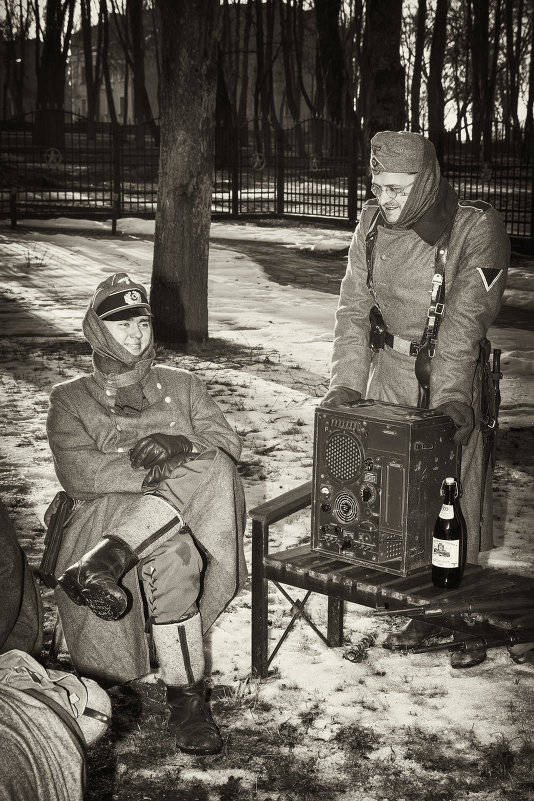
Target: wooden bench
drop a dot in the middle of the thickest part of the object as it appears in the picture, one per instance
(342, 581)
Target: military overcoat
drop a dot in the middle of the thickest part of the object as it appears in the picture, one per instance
(90, 441)
(403, 266)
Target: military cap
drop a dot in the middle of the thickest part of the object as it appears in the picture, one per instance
(119, 293)
(397, 151)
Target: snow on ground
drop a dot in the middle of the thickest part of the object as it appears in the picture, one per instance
(284, 337)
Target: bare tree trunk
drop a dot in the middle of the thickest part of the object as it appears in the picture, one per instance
(104, 18)
(436, 95)
(331, 57)
(513, 61)
(381, 99)
(190, 31)
(485, 52)
(415, 94)
(528, 137)
(49, 120)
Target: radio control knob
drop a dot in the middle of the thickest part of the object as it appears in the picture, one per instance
(325, 507)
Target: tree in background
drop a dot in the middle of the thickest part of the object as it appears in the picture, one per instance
(15, 31)
(190, 31)
(50, 102)
(436, 94)
(381, 101)
(92, 52)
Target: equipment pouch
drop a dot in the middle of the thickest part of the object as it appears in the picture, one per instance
(423, 369)
(488, 396)
(377, 336)
(61, 507)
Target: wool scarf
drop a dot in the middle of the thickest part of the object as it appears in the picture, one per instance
(112, 363)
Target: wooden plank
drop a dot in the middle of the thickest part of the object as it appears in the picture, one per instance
(283, 505)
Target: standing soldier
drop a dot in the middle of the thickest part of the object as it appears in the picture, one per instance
(422, 261)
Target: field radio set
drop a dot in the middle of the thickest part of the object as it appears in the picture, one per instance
(378, 470)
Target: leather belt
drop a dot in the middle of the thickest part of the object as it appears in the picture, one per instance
(401, 345)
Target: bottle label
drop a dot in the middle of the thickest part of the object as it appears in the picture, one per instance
(447, 511)
(445, 553)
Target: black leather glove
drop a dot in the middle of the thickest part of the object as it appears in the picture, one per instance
(158, 448)
(462, 416)
(341, 396)
(159, 472)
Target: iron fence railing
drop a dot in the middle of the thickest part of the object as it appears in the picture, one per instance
(63, 164)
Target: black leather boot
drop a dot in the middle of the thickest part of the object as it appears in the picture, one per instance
(93, 580)
(473, 653)
(190, 719)
(411, 635)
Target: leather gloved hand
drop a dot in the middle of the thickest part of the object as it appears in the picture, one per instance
(462, 416)
(158, 448)
(159, 472)
(341, 396)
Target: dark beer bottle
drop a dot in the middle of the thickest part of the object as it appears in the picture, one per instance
(449, 543)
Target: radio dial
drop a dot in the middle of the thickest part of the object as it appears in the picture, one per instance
(368, 493)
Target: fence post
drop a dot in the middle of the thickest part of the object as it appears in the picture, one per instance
(116, 177)
(280, 172)
(352, 181)
(13, 206)
(236, 150)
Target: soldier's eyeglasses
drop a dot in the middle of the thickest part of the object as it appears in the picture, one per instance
(391, 191)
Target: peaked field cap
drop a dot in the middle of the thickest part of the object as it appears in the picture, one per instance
(397, 151)
(119, 293)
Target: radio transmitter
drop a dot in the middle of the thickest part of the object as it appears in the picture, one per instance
(378, 470)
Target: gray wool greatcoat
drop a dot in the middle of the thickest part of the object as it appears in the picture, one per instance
(90, 441)
(475, 278)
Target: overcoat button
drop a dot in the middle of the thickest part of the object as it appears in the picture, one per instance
(108, 392)
(172, 424)
(167, 399)
(120, 450)
(158, 385)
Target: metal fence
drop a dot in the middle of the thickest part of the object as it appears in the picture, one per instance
(67, 165)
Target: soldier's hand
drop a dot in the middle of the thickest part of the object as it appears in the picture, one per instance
(462, 416)
(341, 396)
(162, 471)
(158, 448)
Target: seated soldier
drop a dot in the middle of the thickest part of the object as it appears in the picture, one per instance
(150, 460)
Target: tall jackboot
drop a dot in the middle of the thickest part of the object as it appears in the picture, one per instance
(180, 653)
(93, 580)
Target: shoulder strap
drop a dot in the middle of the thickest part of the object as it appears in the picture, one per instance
(436, 309)
(70, 724)
(370, 242)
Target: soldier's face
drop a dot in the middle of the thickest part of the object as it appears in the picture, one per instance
(132, 334)
(391, 190)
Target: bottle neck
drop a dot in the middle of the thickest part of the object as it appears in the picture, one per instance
(449, 494)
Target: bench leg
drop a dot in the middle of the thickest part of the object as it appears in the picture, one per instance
(335, 621)
(260, 609)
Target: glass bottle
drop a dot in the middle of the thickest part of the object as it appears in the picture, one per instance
(449, 542)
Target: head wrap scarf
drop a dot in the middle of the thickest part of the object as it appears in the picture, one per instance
(432, 201)
(113, 365)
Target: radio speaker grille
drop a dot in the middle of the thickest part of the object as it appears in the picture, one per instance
(343, 456)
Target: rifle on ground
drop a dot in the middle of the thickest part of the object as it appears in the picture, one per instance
(519, 602)
(511, 638)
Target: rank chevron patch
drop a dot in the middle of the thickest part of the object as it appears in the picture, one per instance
(490, 276)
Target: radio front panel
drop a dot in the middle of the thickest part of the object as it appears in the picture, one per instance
(377, 476)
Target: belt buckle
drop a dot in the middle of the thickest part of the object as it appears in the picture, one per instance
(414, 348)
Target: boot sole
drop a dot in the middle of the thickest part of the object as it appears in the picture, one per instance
(200, 751)
(101, 603)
